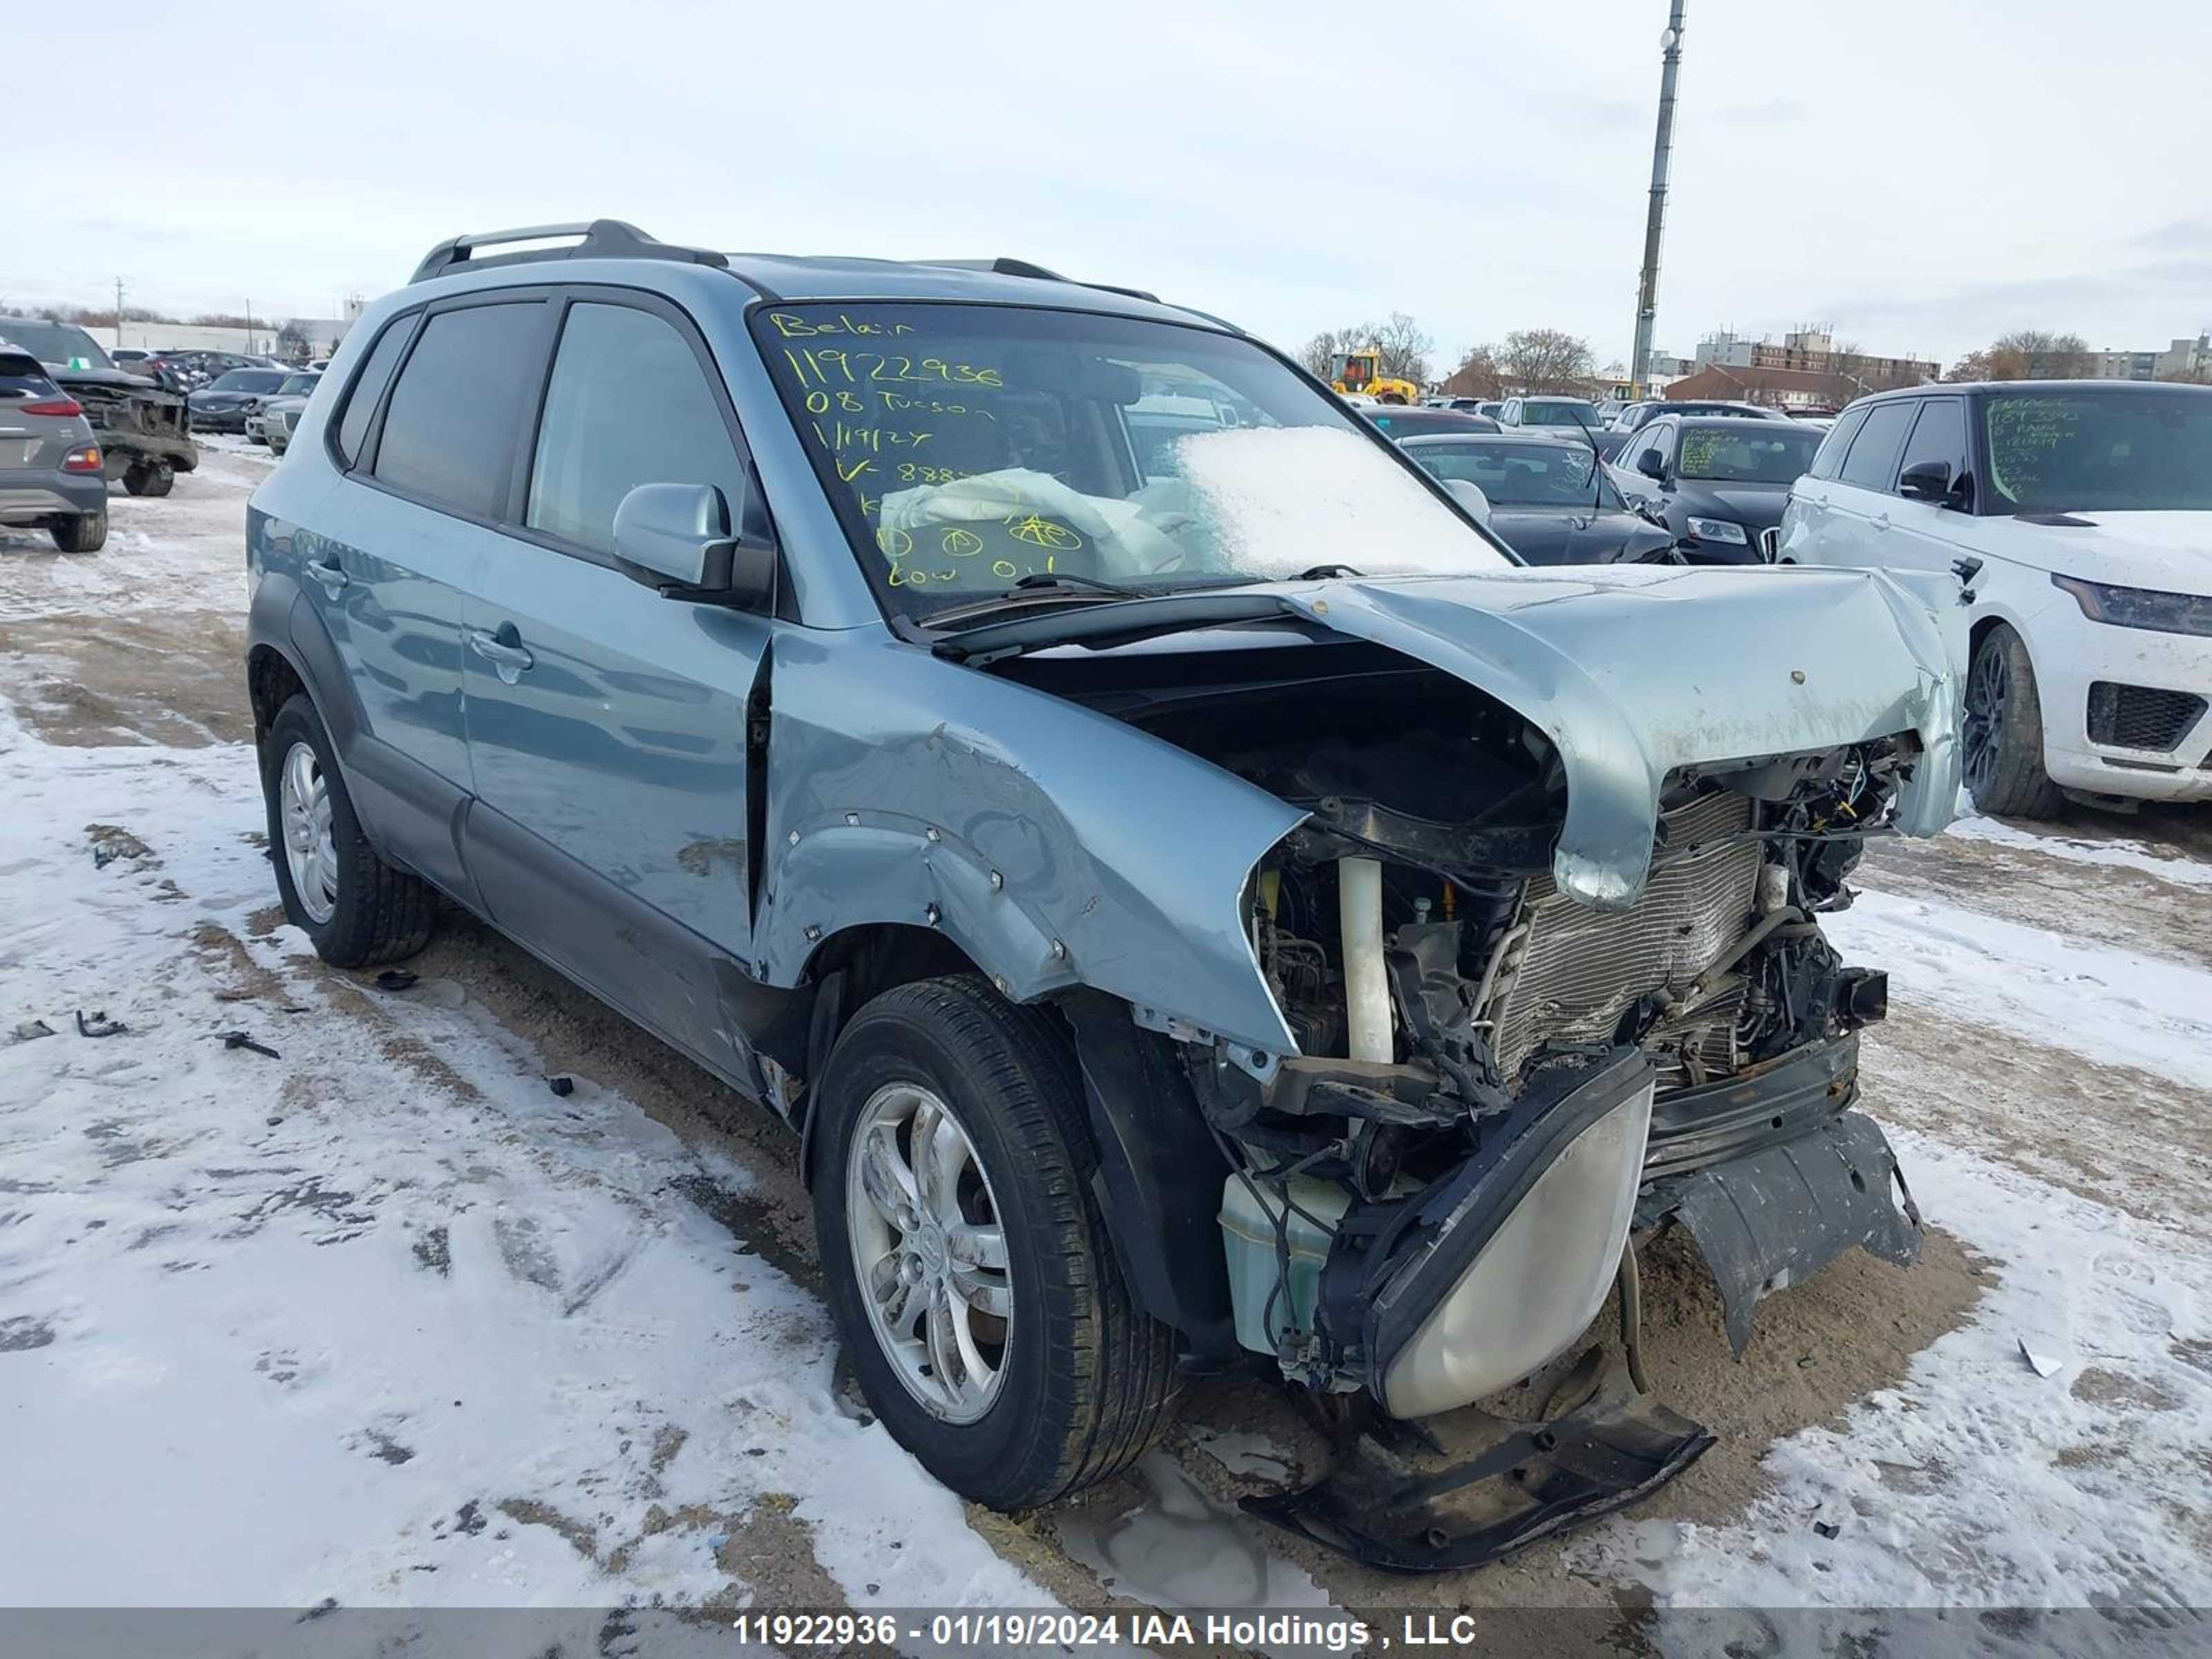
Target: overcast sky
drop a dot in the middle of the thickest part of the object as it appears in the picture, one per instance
(1921, 174)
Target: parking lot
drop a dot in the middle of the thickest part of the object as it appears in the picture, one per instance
(360, 1307)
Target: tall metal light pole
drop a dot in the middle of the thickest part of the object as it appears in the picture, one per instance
(1662, 148)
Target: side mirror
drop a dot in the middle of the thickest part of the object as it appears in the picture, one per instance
(1470, 496)
(1925, 481)
(1652, 466)
(677, 538)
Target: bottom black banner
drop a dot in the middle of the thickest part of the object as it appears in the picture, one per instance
(334, 1632)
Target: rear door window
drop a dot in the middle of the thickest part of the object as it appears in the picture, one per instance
(1940, 435)
(1872, 462)
(629, 403)
(449, 432)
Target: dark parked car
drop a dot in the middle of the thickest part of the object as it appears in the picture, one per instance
(1551, 501)
(1226, 914)
(223, 404)
(50, 472)
(1402, 423)
(1717, 482)
(1633, 417)
(144, 439)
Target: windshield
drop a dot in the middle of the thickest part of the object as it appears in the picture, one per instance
(298, 386)
(1560, 414)
(62, 343)
(966, 447)
(1533, 474)
(250, 379)
(2112, 451)
(1781, 456)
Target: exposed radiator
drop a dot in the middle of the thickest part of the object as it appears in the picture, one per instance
(1573, 971)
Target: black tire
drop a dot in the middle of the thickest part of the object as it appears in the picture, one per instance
(2001, 733)
(1087, 1379)
(82, 532)
(150, 478)
(380, 913)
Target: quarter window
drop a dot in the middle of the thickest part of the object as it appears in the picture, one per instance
(449, 432)
(629, 403)
(1830, 460)
(369, 387)
(1872, 462)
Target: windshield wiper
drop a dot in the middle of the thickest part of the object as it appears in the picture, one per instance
(1323, 572)
(1132, 616)
(1042, 588)
(1049, 579)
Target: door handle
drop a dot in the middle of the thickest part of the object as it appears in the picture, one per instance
(504, 650)
(1882, 521)
(329, 576)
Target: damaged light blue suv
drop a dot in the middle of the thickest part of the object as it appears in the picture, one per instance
(1192, 892)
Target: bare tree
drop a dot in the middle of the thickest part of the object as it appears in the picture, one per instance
(1404, 346)
(1547, 360)
(2028, 354)
(1479, 374)
(1316, 353)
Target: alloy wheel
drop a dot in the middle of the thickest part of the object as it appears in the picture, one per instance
(1989, 698)
(311, 851)
(929, 1251)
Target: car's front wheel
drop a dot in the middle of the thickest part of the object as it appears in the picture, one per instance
(2001, 734)
(967, 1262)
(357, 909)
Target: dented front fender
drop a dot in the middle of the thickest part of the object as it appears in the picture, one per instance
(1054, 845)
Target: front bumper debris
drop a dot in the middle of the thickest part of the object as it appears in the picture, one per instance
(1470, 1488)
(1775, 1217)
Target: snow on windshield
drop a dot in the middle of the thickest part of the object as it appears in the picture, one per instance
(1280, 501)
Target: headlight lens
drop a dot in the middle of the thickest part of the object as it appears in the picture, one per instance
(1535, 1286)
(2140, 607)
(1718, 530)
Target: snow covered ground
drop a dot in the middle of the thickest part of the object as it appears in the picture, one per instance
(381, 1317)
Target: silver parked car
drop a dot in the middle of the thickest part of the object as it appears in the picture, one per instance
(279, 413)
(52, 473)
(1194, 896)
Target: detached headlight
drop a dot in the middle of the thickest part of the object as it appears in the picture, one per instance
(2140, 607)
(1718, 530)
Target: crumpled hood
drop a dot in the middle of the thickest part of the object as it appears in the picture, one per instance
(1633, 671)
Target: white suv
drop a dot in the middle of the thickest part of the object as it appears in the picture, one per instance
(2088, 506)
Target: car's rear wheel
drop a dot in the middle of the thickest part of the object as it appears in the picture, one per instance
(150, 478)
(967, 1262)
(357, 909)
(82, 532)
(2001, 734)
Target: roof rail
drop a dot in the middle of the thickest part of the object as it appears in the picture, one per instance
(602, 238)
(1003, 266)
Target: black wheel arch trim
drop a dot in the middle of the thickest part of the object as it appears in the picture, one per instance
(1159, 1176)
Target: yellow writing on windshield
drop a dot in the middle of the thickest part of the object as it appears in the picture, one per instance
(795, 328)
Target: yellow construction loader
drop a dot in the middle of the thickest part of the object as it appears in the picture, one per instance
(1362, 371)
